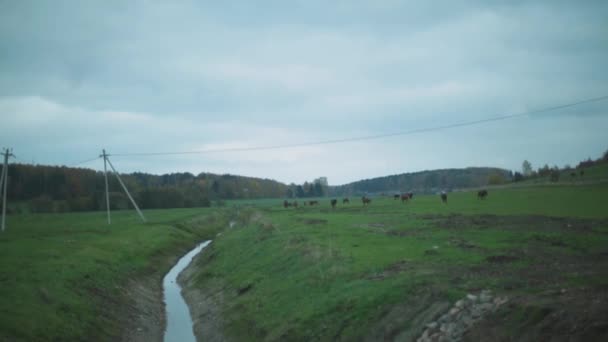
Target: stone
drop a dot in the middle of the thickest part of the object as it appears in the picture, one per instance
(454, 311)
(432, 325)
(471, 297)
(425, 334)
(484, 298)
(460, 304)
(485, 307)
(467, 321)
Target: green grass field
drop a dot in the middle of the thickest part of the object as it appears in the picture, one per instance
(354, 272)
(63, 276)
(308, 273)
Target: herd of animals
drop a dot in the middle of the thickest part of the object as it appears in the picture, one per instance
(404, 197)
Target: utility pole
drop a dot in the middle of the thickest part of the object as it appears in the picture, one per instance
(106, 159)
(105, 174)
(4, 184)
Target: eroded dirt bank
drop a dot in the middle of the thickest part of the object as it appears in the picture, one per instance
(145, 312)
(205, 308)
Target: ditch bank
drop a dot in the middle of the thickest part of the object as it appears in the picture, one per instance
(179, 323)
(142, 314)
(205, 308)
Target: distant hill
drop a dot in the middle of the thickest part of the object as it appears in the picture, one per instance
(426, 181)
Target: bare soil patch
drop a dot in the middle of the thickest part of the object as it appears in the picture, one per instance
(579, 314)
(313, 221)
(537, 222)
(146, 310)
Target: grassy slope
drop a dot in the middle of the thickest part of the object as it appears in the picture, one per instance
(63, 275)
(317, 273)
(595, 173)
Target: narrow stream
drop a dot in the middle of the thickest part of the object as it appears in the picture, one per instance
(179, 322)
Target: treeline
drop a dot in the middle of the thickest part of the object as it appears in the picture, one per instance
(555, 173)
(318, 188)
(40, 188)
(426, 181)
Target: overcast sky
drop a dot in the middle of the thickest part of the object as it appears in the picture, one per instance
(169, 76)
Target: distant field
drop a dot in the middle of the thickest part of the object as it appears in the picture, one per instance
(383, 271)
(64, 277)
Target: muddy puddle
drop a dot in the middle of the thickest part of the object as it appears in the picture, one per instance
(179, 322)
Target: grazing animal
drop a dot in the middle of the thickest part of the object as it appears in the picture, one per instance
(311, 203)
(345, 200)
(396, 197)
(333, 203)
(404, 198)
(295, 204)
(410, 195)
(582, 173)
(366, 200)
(444, 197)
(572, 174)
(482, 194)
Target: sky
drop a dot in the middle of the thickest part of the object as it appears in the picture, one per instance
(145, 76)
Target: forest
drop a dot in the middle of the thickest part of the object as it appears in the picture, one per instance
(41, 188)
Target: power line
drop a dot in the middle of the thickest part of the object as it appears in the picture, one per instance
(84, 161)
(371, 137)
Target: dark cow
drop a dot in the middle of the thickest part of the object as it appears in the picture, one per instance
(333, 203)
(482, 194)
(295, 204)
(286, 204)
(345, 200)
(404, 198)
(582, 173)
(396, 197)
(410, 195)
(366, 200)
(444, 197)
(311, 203)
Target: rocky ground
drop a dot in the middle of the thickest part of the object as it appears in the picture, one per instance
(461, 317)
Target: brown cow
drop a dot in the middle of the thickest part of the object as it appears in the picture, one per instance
(404, 198)
(333, 203)
(366, 200)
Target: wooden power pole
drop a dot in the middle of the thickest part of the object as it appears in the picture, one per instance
(4, 184)
(105, 174)
(107, 160)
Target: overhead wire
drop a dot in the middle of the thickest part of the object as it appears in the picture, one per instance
(369, 137)
(84, 161)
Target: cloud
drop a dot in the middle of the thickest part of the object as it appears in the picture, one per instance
(145, 76)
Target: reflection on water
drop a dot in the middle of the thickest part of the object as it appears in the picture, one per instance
(179, 322)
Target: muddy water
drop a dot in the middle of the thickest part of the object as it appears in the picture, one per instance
(179, 322)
